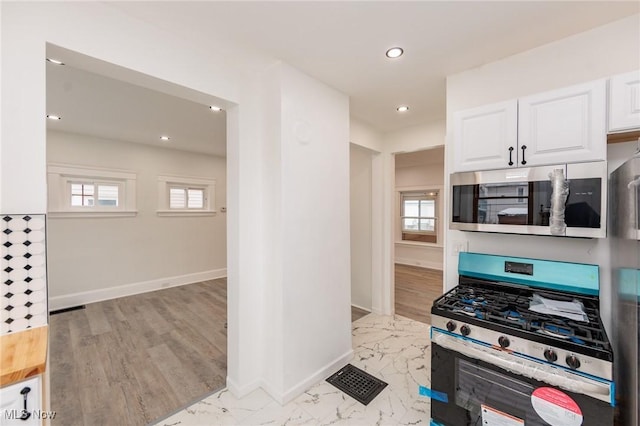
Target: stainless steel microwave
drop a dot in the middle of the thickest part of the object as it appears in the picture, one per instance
(519, 201)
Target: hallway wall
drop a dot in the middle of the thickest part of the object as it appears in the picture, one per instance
(361, 228)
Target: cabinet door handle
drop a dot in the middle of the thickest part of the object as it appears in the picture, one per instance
(510, 151)
(523, 162)
(25, 414)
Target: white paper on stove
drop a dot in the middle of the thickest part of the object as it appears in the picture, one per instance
(572, 310)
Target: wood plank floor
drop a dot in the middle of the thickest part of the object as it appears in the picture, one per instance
(131, 360)
(415, 290)
(357, 313)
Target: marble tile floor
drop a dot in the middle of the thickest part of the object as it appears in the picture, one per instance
(393, 348)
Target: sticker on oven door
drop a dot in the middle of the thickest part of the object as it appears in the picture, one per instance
(493, 417)
(556, 407)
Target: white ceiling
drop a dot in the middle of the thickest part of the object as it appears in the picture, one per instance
(341, 43)
(95, 105)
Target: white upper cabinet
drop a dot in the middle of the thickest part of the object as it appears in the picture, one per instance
(561, 126)
(566, 125)
(624, 102)
(486, 137)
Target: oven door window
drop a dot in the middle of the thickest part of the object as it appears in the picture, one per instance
(486, 394)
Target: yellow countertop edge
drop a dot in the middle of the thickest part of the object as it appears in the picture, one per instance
(23, 354)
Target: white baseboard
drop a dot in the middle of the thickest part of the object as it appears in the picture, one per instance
(82, 298)
(421, 263)
(242, 391)
(271, 390)
(361, 307)
(316, 377)
(285, 397)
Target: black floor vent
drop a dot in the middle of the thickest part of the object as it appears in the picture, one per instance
(360, 385)
(61, 311)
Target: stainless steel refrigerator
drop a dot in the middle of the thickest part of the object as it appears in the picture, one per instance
(624, 226)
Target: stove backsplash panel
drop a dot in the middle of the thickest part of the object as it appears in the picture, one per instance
(23, 295)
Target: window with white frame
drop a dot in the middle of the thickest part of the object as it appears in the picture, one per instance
(81, 191)
(95, 194)
(418, 216)
(185, 196)
(182, 197)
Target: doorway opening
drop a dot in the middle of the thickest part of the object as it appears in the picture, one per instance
(137, 237)
(361, 193)
(419, 228)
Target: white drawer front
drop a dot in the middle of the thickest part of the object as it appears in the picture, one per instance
(12, 403)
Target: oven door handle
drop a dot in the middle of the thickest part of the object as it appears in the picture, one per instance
(528, 368)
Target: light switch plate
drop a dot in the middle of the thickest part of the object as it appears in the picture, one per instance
(458, 246)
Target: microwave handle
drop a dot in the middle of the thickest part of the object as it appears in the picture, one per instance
(531, 369)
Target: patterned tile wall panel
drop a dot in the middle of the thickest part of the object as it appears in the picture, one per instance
(23, 283)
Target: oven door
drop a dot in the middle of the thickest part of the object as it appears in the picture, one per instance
(519, 200)
(519, 392)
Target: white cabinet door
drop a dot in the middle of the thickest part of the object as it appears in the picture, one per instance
(624, 102)
(483, 137)
(566, 125)
(12, 399)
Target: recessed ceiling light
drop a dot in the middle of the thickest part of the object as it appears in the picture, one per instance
(402, 108)
(164, 138)
(394, 52)
(215, 108)
(53, 117)
(55, 61)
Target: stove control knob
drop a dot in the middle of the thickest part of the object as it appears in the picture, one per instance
(550, 355)
(451, 325)
(573, 362)
(503, 341)
(465, 330)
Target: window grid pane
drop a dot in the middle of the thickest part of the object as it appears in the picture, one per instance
(411, 208)
(427, 208)
(108, 195)
(177, 198)
(410, 224)
(427, 224)
(82, 194)
(195, 198)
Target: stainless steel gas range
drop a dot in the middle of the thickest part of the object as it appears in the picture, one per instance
(520, 342)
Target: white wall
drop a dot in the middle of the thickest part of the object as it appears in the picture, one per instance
(363, 135)
(316, 247)
(422, 175)
(413, 178)
(598, 53)
(102, 31)
(415, 138)
(361, 231)
(308, 156)
(121, 255)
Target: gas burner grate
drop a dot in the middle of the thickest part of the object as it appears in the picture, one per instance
(358, 384)
(508, 305)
